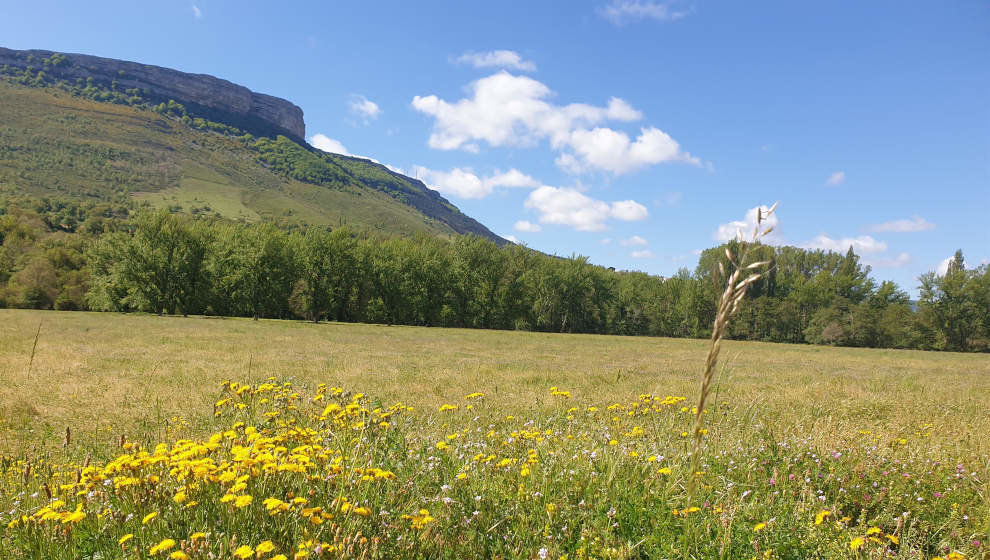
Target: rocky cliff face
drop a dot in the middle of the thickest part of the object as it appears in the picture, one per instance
(206, 95)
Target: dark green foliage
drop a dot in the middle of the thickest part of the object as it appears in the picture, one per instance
(64, 255)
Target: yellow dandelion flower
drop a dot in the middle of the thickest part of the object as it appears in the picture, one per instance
(243, 552)
(857, 543)
(873, 531)
(243, 501)
(759, 527)
(149, 517)
(664, 470)
(179, 555)
(165, 545)
(821, 515)
(197, 535)
(264, 548)
(125, 538)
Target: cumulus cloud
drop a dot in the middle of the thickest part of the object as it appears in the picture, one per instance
(197, 13)
(633, 241)
(511, 238)
(508, 110)
(464, 183)
(364, 108)
(621, 12)
(497, 59)
(642, 255)
(943, 266)
(836, 178)
(512, 178)
(916, 223)
(612, 150)
(864, 244)
(570, 207)
(327, 144)
(745, 227)
(525, 225)
(899, 261)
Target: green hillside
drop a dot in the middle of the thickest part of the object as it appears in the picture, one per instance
(54, 142)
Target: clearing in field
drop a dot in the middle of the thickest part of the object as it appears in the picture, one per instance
(134, 436)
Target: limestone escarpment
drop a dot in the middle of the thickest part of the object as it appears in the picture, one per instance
(205, 95)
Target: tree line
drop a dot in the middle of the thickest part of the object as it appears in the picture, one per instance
(67, 255)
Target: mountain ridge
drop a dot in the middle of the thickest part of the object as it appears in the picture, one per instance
(195, 100)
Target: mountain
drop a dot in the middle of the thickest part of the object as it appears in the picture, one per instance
(89, 128)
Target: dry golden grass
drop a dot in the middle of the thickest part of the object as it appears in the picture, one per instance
(108, 374)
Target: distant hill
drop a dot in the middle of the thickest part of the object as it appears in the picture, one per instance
(90, 128)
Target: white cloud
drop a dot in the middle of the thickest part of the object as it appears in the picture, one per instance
(624, 11)
(745, 227)
(612, 150)
(511, 238)
(498, 59)
(916, 223)
(322, 142)
(642, 255)
(899, 261)
(464, 183)
(570, 207)
(512, 178)
(836, 178)
(943, 266)
(508, 110)
(365, 108)
(197, 13)
(524, 225)
(864, 244)
(633, 241)
(460, 181)
(605, 241)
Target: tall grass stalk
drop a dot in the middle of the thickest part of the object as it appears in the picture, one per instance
(34, 348)
(741, 276)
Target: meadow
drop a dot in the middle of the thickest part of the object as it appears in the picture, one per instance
(128, 436)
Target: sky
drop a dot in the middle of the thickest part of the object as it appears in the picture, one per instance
(635, 132)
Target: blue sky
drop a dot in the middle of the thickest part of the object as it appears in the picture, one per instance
(636, 132)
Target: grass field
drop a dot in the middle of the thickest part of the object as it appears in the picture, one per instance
(811, 451)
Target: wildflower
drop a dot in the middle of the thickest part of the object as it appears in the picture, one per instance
(857, 543)
(447, 407)
(664, 470)
(179, 555)
(420, 520)
(243, 552)
(759, 527)
(362, 511)
(243, 501)
(149, 517)
(264, 548)
(165, 545)
(196, 536)
(125, 538)
(821, 515)
(475, 396)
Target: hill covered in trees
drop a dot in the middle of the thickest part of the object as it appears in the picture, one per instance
(72, 130)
